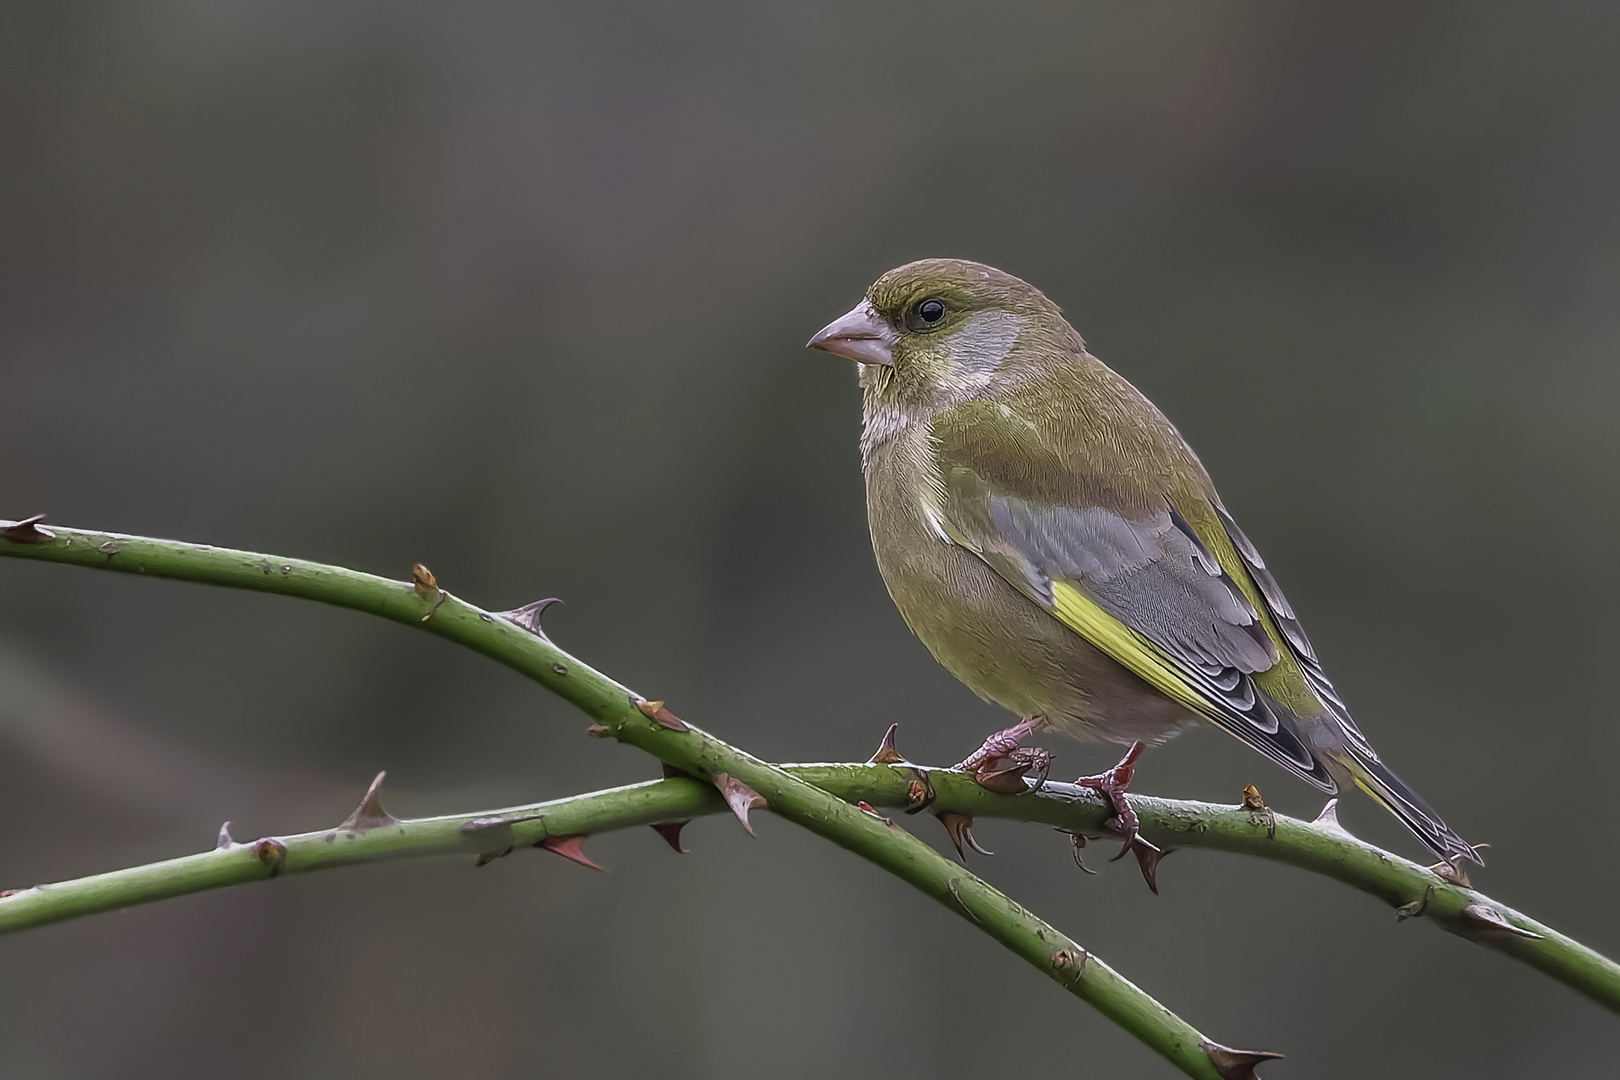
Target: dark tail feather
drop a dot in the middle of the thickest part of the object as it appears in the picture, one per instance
(1372, 776)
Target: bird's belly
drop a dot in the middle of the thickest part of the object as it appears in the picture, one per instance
(1005, 647)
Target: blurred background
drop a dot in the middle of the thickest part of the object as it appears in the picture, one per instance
(520, 291)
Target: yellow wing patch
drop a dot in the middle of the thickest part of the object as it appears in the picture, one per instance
(1119, 641)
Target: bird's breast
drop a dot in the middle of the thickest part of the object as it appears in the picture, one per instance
(1004, 646)
(974, 623)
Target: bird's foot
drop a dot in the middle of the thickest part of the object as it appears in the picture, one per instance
(1002, 763)
(1113, 784)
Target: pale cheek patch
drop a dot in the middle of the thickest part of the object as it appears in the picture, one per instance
(979, 347)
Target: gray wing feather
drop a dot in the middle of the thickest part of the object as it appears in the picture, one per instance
(1150, 575)
(1288, 622)
(1156, 576)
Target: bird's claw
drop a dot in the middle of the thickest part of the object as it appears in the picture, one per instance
(1112, 784)
(1147, 857)
(1002, 763)
(1124, 823)
(1077, 843)
(1005, 773)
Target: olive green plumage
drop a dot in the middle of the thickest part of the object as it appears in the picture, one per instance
(1058, 546)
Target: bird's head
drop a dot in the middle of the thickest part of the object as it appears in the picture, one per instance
(938, 331)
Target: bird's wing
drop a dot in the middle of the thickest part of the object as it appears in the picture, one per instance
(1172, 591)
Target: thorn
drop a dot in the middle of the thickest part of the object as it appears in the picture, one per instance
(225, 840)
(1328, 819)
(1481, 921)
(272, 853)
(527, 617)
(1252, 800)
(27, 531)
(671, 832)
(739, 796)
(1415, 908)
(1147, 860)
(10, 892)
(655, 711)
(959, 827)
(598, 731)
(369, 814)
(487, 857)
(568, 845)
(1235, 1064)
(886, 753)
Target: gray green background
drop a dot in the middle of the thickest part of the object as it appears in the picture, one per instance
(519, 291)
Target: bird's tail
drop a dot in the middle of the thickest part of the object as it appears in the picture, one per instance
(1373, 776)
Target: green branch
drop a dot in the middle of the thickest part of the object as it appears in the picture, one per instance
(1320, 847)
(817, 796)
(370, 835)
(620, 713)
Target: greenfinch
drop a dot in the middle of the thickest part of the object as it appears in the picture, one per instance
(1059, 548)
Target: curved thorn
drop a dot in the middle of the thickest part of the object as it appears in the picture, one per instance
(671, 832)
(1233, 1064)
(369, 814)
(1484, 922)
(959, 827)
(568, 845)
(27, 531)
(655, 711)
(1147, 860)
(739, 796)
(1076, 844)
(886, 754)
(528, 616)
(1328, 819)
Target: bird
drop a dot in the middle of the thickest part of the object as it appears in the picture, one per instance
(1058, 546)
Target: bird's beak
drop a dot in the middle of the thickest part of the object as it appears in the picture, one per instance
(863, 336)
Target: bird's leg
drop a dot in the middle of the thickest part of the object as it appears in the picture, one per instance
(1002, 743)
(1001, 764)
(1113, 784)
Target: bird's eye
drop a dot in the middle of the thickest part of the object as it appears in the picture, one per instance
(926, 314)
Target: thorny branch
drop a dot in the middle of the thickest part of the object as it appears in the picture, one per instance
(517, 640)
(667, 805)
(816, 796)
